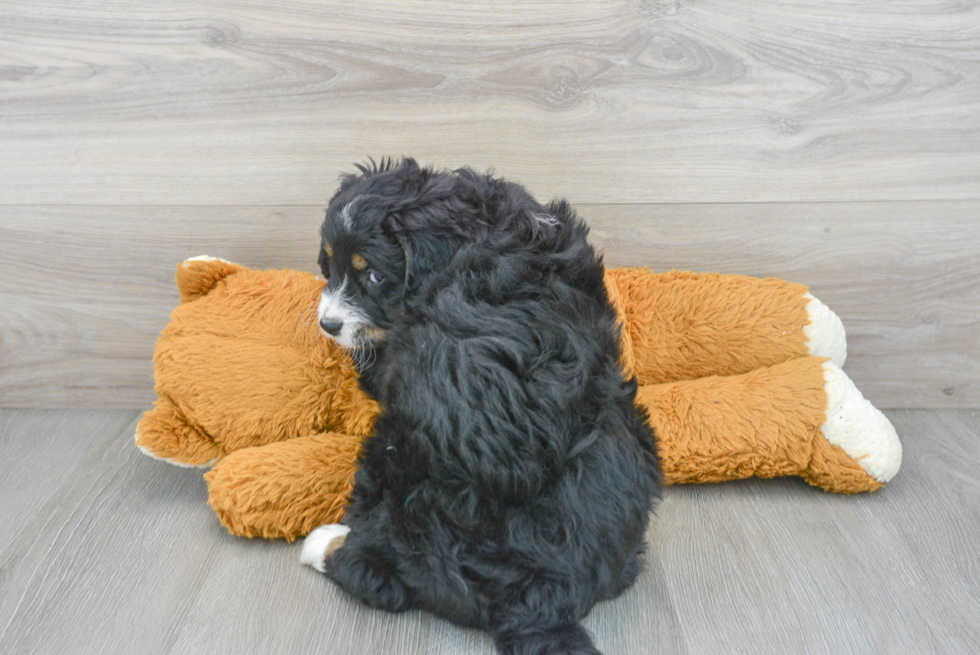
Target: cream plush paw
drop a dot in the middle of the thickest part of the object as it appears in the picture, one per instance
(166, 434)
(858, 427)
(149, 453)
(320, 543)
(825, 332)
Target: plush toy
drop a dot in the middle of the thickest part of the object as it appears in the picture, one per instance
(741, 377)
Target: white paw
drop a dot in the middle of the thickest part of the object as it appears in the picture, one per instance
(825, 332)
(318, 543)
(859, 427)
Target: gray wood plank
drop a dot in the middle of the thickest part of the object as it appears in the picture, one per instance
(40, 451)
(125, 556)
(113, 560)
(929, 536)
(643, 620)
(216, 102)
(257, 598)
(776, 564)
(86, 290)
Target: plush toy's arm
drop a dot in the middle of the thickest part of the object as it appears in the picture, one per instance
(165, 433)
(683, 326)
(802, 417)
(284, 489)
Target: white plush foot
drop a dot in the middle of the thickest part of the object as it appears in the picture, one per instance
(825, 332)
(859, 427)
(321, 542)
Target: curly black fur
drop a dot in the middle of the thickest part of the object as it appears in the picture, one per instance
(508, 483)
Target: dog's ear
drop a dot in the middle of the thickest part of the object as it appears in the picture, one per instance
(395, 229)
(406, 245)
(425, 250)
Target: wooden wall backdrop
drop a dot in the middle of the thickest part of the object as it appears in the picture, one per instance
(832, 143)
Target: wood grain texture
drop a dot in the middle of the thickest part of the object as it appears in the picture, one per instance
(602, 101)
(40, 452)
(86, 290)
(772, 563)
(122, 555)
(114, 557)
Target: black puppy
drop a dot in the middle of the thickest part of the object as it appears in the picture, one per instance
(508, 483)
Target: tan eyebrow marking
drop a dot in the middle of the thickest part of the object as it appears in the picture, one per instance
(359, 262)
(327, 249)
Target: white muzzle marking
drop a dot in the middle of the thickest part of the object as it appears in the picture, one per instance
(335, 305)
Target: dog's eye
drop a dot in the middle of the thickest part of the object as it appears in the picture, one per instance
(375, 278)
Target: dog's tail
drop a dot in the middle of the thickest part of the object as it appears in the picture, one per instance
(568, 639)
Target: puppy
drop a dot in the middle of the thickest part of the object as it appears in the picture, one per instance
(509, 479)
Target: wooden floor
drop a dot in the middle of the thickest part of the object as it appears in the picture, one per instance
(107, 551)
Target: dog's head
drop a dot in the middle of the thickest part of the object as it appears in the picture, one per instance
(363, 264)
(369, 246)
(392, 225)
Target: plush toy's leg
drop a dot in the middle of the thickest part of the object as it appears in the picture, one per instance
(824, 332)
(683, 326)
(284, 489)
(802, 417)
(165, 433)
(858, 428)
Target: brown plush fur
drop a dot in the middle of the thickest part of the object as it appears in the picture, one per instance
(245, 379)
(765, 423)
(243, 364)
(682, 325)
(284, 489)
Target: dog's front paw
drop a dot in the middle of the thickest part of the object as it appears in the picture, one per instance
(320, 543)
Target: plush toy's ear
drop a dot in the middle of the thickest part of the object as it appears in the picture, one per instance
(198, 275)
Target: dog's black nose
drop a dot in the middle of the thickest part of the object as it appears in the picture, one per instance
(331, 326)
